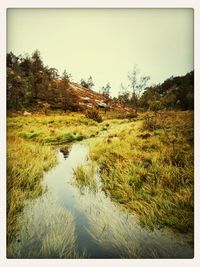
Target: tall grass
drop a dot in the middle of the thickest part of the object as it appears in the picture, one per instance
(26, 163)
(85, 176)
(148, 175)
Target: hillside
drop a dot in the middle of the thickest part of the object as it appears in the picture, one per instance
(173, 93)
(87, 98)
(32, 86)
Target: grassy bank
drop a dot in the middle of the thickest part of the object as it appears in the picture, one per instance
(147, 166)
(26, 163)
(53, 129)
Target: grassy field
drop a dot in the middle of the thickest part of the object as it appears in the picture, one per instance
(53, 130)
(146, 163)
(147, 166)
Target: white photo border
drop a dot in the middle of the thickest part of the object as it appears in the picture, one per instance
(4, 5)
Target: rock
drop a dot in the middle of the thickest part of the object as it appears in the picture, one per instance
(102, 104)
(89, 105)
(27, 113)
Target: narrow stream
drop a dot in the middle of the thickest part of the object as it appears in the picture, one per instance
(69, 222)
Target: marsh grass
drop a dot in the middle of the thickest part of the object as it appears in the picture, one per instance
(150, 176)
(53, 130)
(26, 163)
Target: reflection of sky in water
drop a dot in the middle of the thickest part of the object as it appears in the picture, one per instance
(103, 230)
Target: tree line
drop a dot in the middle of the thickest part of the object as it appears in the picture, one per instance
(173, 93)
(31, 84)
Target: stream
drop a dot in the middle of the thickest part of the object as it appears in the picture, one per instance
(72, 222)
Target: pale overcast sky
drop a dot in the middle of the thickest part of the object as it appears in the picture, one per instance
(106, 43)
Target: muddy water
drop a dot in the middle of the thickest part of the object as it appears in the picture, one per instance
(80, 222)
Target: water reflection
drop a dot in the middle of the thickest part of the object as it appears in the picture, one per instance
(101, 229)
(65, 151)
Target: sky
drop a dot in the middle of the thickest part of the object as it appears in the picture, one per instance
(106, 43)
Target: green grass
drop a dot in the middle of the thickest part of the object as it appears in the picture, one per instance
(54, 130)
(151, 177)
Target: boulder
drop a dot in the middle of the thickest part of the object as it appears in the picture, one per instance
(26, 113)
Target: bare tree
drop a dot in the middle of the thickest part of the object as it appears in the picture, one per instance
(124, 96)
(137, 84)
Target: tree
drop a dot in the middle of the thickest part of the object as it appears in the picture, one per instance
(15, 88)
(64, 86)
(105, 90)
(52, 73)
(37, 73)
(68, 98)
(150, 94)
(16, 84)
(173, 93)
(89, 84)
(137, 85)
(124, 96)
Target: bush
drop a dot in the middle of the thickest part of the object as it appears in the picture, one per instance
(126, 115)
(149, 123)
(94, 115)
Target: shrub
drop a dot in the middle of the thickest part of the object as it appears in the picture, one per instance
(94, 115)
(149, 123)
(131, 115)
(126, 115)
